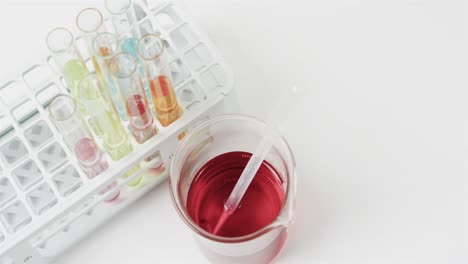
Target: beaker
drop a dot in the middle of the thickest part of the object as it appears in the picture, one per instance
(205, 169)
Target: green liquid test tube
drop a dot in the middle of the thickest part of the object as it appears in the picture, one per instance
(116, 140)
(73, 72)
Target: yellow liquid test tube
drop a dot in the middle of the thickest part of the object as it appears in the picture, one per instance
(106, 120)
(90, 23)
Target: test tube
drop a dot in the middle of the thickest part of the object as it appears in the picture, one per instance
(104, 46)
(124, 71)
(62, 111)
(90, 22)
(124, 21)
(61, 43)
(151, 51)
(113, 134)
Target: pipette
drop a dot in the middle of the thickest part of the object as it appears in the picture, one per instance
(279, 112)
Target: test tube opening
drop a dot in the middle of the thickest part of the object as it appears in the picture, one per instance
(117, 7)
(89, 20)
(105, 45)
(59, 40)
(62, 107)
(150, 47)
(123, 65)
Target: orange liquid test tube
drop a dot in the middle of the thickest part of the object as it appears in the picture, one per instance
(151, 51)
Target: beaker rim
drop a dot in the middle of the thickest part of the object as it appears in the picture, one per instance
(290, 190)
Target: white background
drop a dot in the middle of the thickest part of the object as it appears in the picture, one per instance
(380, 139)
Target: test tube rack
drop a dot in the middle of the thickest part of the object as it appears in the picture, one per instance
(47, 204)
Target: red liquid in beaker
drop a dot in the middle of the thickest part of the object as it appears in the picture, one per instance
(213, 184)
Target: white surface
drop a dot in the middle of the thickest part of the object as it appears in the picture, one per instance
(380, 140)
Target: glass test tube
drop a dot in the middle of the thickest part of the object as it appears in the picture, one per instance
(124, 71)
(151, 51)
(124, 20)
(90, 22)
(68, 121)
(61, 43)
(104, 46)
(113, 134)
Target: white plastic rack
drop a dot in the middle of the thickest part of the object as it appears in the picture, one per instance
(47, 204)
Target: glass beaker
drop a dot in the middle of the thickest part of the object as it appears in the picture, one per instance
(61, 43)
(123, 67)
(151, 51)
(204, 170)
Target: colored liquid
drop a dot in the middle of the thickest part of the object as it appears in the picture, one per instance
(93, 163)
(90, 157)
(74, 71)
(96, 66)
(165, 100)
(106, 123)
(111, 188)
(112, 91)
(141, 120)
(109, 128)
(130, 46)
(213, 184)
(115, 137)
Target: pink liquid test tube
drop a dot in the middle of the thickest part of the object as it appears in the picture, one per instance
(63, 113)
